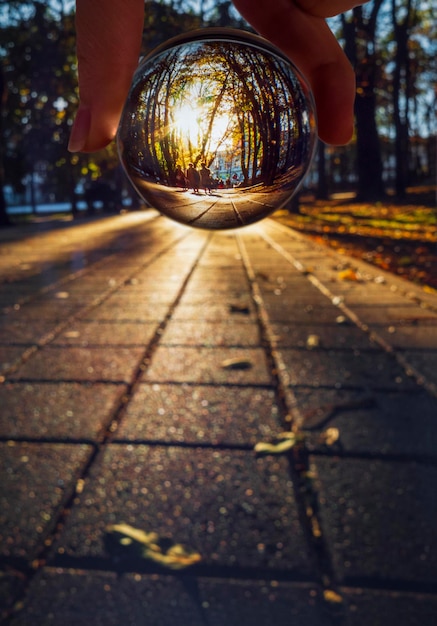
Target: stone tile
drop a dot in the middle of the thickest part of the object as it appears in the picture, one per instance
(81, 364)
(57, 410)
(200, 414)
(241, 301)
(208, 365)
(387, 315)
(10, 356)
(417, 336)
(129, 298)
(425, 361)
(338, 368)
(54, 311)
(327, 335)
(285, 312)
(388, 608)
(72, 597)
(22, 333)
(206, 334)
(145, 312)
(234, 509)
(378, 519)
(36, 480)
(377, 423)
(11, 586)
(107, 333)
(218, 312)
(261, 603)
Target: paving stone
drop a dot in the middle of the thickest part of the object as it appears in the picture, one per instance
(235, 509)
(82, 364)
(107, 333)
(239, 301)
(56, 311)
(72, 597)
(145, 312)
(375, 422)
(206, 334)
(22, 333)
(129, 298)
(373, 295)
(209, 365)
(10, 356)
(217, 281)
(261, 603)
(378, 519)
(103, 599)
(337, 368)
(388, 608)
(57, 410)
(425, 361)
(36, 480)
(304, 314)
(200, 414)
(11, 585)
(420, 336)
(220, 311)
(326, 336)
(387, 315)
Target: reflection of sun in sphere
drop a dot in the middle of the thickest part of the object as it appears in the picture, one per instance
(234, 108)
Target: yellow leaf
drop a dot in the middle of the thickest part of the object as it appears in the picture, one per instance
(176, 556)
(332, 596)
(330, 436)
(349, 274)
(283, 442)
(428, 289)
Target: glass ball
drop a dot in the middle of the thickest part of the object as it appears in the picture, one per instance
(218, 130)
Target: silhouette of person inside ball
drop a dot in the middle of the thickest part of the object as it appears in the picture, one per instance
(205, 178)
(193, 177)
(180, 178)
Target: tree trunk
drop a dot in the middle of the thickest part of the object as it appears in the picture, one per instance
(359, 34)
(401, 92)
(4, 217)
(369, 162)
(322, 180)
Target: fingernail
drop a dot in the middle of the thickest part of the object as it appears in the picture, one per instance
(80, 130)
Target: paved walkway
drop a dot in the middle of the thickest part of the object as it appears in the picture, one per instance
(143, 364)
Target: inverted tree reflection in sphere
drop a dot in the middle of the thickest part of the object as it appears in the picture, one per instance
(218, 129)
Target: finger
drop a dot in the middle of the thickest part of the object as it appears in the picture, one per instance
(109, 36)
(322, 8)
(310, 44)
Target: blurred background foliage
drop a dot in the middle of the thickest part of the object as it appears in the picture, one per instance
(391, 44)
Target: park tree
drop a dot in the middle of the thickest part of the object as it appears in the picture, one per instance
(359, 32)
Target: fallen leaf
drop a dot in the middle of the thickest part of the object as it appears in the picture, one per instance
(281, 443)
(149, 546)
(239, 308)
(330, 436)
(332, 596)
(349, 274)
(341, 319)
(236, 364)
(313, 341)
(428, 289)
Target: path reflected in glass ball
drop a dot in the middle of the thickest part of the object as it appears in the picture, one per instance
(218, 129)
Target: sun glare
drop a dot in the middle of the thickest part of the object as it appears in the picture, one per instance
(192, 123)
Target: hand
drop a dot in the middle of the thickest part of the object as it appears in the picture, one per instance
(109, 34)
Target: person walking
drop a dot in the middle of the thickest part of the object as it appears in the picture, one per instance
(205, 178)
(193, 177)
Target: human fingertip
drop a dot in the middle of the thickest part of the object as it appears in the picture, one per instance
(81, 129)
